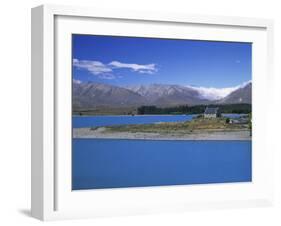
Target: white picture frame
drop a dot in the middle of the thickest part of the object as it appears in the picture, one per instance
(52, 197)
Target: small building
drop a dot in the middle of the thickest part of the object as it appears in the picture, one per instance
(212, 112)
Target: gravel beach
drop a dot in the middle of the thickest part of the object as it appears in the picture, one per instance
(102, 133)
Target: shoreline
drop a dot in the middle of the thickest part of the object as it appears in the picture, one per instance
(102, 133)
(135, 115)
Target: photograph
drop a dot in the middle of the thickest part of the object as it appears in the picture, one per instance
(152, 111)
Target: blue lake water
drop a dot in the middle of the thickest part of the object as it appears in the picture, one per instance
(132, 163)
(104, 120)
(112, 163)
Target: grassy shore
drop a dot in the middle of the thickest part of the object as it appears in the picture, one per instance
(197, 125)
(197, 129)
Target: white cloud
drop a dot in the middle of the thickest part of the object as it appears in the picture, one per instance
(94, 67)
(141, 68)
(105, 71)
(212, 93)
(76, 81)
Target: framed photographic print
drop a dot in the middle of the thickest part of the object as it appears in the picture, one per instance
(138, 113)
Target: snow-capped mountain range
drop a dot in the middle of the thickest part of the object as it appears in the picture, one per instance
(90, 94)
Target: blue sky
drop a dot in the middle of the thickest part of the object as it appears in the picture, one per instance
(132, 61)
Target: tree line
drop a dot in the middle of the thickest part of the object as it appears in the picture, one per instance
(197, 109)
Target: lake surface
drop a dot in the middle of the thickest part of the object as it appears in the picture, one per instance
(104, 120)
(112, 163)
(132, 163)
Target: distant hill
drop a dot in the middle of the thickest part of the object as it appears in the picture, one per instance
(168, 95)
(241, 95)
(93, 95)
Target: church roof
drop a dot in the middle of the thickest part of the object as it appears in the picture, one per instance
(211, 110)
